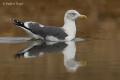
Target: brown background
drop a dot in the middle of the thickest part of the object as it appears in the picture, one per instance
(103, 16)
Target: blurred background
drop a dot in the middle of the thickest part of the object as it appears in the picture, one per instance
(102, 23)
(101, 53)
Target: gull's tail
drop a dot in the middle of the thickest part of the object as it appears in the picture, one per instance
(18, 23)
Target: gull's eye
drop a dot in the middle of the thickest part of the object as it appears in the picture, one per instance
(72, 14)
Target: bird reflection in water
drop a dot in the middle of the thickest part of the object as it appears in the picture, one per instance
(39, 48)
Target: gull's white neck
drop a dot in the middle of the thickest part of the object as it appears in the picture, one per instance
(70, 27)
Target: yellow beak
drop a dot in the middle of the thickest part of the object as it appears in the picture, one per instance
(83, 16)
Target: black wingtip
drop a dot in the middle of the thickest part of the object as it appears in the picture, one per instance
(18, 22)
(15, 20)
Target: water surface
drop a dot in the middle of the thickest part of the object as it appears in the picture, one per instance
(84, 60)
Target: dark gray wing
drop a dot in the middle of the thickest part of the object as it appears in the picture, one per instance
(47, 31)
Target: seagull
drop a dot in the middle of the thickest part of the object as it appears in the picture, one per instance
(51, 33)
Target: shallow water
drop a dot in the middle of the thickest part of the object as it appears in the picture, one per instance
(83, 60)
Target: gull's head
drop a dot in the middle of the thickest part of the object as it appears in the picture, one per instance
(73, 15)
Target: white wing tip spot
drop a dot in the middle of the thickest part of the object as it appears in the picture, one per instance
(41, 25)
